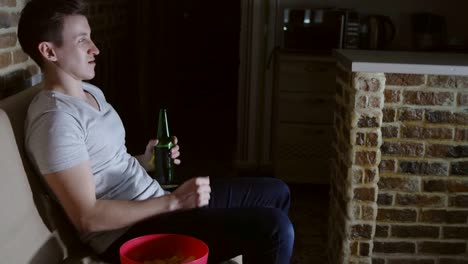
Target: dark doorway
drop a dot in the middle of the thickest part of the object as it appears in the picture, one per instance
(194, 57)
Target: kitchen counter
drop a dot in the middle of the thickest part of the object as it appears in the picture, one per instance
(403, 62)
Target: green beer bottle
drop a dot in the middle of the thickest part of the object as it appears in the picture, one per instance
(164, 167)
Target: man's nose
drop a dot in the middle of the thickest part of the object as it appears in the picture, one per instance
(94, 49)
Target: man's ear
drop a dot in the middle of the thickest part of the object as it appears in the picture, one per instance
(47, 51)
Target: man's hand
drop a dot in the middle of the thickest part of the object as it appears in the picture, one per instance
(192, 194)
(145, 158)
(175, 153)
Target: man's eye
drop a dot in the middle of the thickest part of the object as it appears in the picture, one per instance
(81, 40)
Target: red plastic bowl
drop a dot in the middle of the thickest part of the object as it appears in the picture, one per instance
(163, 246)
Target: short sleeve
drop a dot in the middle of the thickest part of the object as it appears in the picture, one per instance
(56, 141)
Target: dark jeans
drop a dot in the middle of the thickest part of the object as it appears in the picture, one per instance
(247, 216)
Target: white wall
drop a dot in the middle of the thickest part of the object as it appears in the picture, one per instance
(455, 12)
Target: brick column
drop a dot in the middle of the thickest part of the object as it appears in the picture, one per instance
(353, 197)
(400, 175)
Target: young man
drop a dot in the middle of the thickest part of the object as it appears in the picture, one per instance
(76, 141)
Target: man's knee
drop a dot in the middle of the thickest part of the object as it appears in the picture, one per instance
(282, 192)
(277, 223)
(286, 227)
(277, 234)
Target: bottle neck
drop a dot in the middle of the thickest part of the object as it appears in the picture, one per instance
(163, 135)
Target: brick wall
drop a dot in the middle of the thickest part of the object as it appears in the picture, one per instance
(400, 181)
(15, 65)
(423, 187)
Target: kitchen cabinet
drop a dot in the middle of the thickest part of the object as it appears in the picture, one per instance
(304, 88)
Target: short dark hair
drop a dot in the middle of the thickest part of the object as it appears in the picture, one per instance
(42, 20)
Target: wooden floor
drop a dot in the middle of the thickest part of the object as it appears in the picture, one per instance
(309, 207)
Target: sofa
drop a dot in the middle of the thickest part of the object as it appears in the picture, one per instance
(34, 229)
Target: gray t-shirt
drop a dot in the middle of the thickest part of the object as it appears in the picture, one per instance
(63, 131)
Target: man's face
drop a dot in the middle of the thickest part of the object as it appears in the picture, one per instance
(76, 55)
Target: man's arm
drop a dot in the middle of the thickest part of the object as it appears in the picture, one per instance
(75, 190)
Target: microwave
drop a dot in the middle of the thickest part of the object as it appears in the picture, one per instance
(319, 29)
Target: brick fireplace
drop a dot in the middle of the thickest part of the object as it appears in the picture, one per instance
(399, 187)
